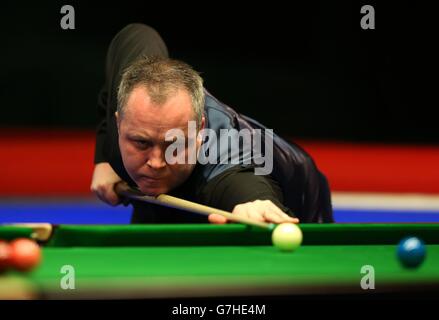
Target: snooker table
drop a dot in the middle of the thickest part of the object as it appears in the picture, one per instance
(233, 260)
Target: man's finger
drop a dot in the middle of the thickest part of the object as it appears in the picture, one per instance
(256, 214)
(112, 197)
(106, 193)
(272, 208)
(217, 219)
(242, 211)
(273, 217)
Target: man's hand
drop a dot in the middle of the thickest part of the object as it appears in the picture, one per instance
(260, 210)
(103, 181)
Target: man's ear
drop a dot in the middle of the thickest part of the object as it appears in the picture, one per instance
(203, 123)
(117, 120)
(202, 126)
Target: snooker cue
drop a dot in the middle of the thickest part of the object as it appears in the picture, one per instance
(126, 191)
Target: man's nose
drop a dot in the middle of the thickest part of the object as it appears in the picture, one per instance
(156, 159)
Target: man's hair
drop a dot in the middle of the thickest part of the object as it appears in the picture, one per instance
(162, 77)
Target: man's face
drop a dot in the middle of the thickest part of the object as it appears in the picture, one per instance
(142, 131)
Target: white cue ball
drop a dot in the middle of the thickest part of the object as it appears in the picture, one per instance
(287, 237)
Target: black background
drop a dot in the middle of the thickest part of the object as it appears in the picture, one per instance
(304, 68)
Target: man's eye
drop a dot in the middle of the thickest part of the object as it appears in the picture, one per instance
(142, 143)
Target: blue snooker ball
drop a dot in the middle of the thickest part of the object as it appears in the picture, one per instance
(411, 252)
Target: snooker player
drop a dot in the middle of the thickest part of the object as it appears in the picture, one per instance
(145, 96)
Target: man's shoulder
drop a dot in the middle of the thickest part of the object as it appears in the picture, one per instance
(218, 114)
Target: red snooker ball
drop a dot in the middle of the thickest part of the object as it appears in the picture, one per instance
(5, 255)
(25, 254)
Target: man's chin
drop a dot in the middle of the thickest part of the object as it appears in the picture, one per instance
(150, 191)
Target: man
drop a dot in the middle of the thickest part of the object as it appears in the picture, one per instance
(148, 99)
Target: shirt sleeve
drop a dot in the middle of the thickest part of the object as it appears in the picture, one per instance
(241, 185)
(101, 128)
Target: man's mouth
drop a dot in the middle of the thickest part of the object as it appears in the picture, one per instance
(150, 179)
